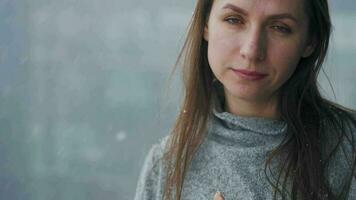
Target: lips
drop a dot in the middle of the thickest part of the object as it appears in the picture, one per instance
(249, 75)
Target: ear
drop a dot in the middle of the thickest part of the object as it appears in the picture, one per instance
(309, 49)
(206, 33)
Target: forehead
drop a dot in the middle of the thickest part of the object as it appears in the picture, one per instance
(265, 7)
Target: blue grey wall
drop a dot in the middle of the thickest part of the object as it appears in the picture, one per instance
(84, 91)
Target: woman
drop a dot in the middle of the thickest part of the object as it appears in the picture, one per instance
(253, 124)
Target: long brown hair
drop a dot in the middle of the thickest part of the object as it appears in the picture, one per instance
(304, 153)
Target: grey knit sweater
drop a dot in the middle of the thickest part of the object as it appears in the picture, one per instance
(230, 160)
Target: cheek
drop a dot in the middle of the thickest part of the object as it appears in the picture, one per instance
(221, 49)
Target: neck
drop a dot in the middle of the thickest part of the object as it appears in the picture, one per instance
(266, 108)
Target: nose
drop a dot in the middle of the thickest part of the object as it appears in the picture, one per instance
(253, 46)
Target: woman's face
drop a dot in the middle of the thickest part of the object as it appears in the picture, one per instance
(254, 46)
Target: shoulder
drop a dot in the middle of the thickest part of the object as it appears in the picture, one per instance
(340, 166)
(155, 154)
(343, 133)
(152, 174)
(339, 123)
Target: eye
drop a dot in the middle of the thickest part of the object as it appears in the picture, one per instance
(234, 20)
(282, 29)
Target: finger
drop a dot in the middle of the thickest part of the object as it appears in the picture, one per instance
(218, 196)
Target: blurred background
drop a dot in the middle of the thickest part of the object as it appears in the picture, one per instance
(84, 91)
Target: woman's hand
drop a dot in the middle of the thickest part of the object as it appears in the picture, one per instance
(218, 196)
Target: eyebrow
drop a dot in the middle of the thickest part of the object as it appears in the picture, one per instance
(235, 8)
(245, 13)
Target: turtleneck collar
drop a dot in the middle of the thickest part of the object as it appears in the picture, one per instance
(260, 125)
